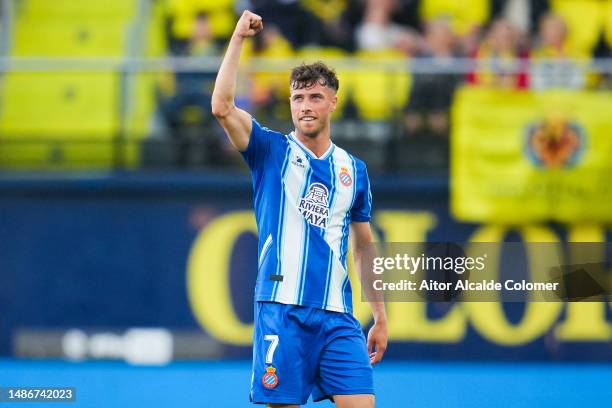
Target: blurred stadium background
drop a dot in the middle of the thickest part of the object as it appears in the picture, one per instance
(127, 244)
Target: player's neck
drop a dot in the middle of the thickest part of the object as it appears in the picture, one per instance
(318, 145)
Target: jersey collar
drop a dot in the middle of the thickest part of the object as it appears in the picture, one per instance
(309, 152)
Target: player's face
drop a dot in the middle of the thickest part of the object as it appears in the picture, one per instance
(311, 108)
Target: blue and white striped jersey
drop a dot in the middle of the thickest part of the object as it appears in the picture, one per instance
(303, 206)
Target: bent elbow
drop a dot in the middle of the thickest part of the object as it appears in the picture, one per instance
(221, 109)
(218, 112)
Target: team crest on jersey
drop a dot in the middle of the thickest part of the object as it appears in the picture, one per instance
(314, 206)
(345, 177)
(270, 379)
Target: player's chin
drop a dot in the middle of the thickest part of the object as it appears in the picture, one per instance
(310, 130)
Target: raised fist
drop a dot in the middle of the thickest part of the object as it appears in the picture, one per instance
(248, 25)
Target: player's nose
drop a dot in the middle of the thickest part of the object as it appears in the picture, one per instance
(305, 108)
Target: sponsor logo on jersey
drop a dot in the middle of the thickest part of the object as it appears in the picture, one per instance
(345, 177)
(314, 206)
(270, 379)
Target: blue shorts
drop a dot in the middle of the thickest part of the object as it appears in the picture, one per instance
(299, 351)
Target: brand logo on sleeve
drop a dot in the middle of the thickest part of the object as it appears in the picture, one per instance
(314, 206)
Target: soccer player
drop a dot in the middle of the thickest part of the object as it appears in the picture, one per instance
(308, 192)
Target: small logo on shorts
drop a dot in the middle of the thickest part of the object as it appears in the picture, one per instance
(345, 177)
(269, 379)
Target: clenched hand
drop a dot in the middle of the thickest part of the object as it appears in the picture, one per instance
(248, 25)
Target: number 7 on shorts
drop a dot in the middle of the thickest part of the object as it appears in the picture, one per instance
(273, 339)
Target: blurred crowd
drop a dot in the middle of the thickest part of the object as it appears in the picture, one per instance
(502, 34)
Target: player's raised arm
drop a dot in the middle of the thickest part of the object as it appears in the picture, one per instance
(364, 253)
(235, 121)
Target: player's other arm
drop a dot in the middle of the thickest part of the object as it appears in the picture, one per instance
(364, 253)
(236, 122)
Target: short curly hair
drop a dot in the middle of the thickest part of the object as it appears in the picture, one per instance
(306, 75)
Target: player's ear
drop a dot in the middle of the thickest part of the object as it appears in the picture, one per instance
(334, 102)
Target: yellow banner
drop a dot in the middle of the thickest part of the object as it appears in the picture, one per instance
(519, 157)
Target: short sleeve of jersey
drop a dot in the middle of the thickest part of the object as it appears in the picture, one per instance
(259, 145)
(362, 206)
